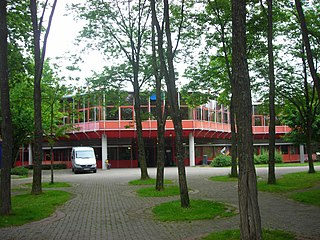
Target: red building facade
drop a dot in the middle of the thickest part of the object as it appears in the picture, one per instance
(111, 130)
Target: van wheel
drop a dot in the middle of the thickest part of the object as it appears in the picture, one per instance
(94, 171)
(75, 171)
(72, 169)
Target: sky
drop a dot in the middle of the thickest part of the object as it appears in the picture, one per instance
(61, 41)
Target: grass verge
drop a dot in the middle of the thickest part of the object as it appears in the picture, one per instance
(199, 209)
(150, 181)
(311, 197)
(291, 182)
(28, 208)
(152, 192)
(223, 178)
(289, 164)
(51, 185)
(235, 235)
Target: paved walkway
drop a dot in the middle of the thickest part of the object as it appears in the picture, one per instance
(105, 207)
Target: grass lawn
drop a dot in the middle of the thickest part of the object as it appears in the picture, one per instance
(291, 182)
(311, 197)
(289, 164)
(199, 209)
(223, 179)
(152, 192)
(49, 185)
(28, 208)
(150, 181)
(235, 235)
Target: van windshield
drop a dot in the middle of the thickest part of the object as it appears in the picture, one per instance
(85, 154)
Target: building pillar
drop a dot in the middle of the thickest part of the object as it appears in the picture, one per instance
(30, 154)
(301, 153)
(104, 145)
(191, 150)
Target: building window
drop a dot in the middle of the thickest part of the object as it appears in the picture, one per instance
(112, 113)
(126, 113)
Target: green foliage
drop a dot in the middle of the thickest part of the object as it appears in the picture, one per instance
(51, 185)
(221, 161)
(48, 166)
(235, 235)
(199, 209)
(20, 171)
(152, 192)
(263, 158)
(291, 182)
(28, 208)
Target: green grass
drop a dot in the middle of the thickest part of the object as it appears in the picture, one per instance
(152, 192)
(311, 197)
(223, 179)
(291, 182)
(235, 235)
(150, 181)
(28, 208)
(50, 185)
(289, 164)
(199, 209)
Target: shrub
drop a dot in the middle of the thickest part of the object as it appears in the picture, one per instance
(21, 171)
(221, 161)
(48, 166)
(263, 158)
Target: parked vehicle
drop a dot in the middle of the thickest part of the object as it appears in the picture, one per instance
(83, 159)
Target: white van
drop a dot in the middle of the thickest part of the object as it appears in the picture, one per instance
(83, 159)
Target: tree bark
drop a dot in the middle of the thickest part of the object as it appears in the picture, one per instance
(234, 155)
(250, 221)
(160, 114)
(6, 124)
(272, 113)
(137, 110)
(305, 35)
(39, 56)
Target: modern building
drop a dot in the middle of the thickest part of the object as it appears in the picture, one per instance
(111, 130)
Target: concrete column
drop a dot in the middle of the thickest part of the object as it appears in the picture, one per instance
(104, 145)
(191, 150)
(30, 154)
(301, 153)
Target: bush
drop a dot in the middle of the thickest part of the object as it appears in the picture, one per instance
(21, 171)
(48, 166)
(221, 161)
(263, 158)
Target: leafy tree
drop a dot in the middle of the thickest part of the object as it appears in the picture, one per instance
(307, 45)
(166, 55)
(6, 123)
(120, 30)
(39, 57)
(250, 221)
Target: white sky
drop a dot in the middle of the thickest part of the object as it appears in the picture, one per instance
(61, 40)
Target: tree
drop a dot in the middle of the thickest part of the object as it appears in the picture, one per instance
(122, 31)
(250, 221)
(39, 57)
(6, 123)
(272, 113)
(306, 41)
(166, 56)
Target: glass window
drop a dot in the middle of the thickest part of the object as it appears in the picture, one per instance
(284, 149)
(184, 113)
(112, 113)
(257, 121)
(225, 117)
(112, 153)
(124, 153)
(126, 113)
(205, 115)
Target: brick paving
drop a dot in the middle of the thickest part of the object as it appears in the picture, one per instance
(104, 206)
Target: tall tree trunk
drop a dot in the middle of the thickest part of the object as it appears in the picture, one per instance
(160, 114)
(250, 221)
(6, 124)
(305, 35)
(234, 164)
(272, 113)
(37, 154)
(167, 66)
(137, 110)
(39, 56)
